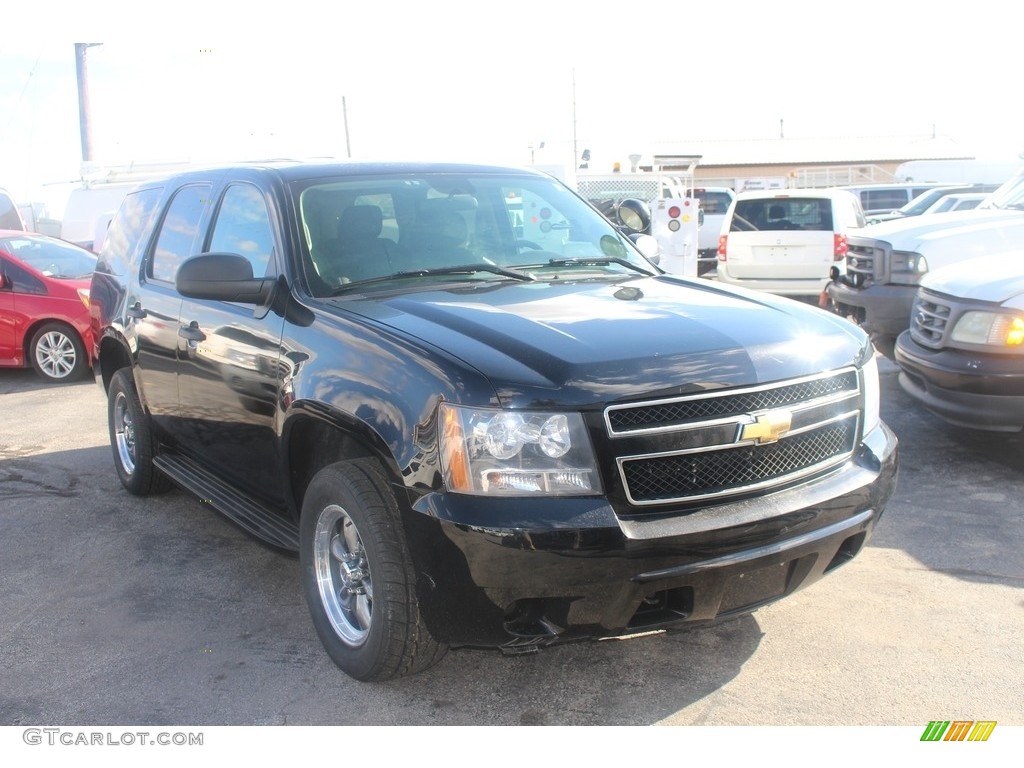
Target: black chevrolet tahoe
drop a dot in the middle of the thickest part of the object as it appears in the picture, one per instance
(475, 411)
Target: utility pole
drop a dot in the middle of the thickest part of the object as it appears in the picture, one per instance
(84, 118)
(575, 151)
(344, 116)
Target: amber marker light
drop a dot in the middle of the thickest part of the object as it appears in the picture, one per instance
(1015, 335)
(453, 447)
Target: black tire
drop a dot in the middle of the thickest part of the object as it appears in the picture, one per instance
(358, 577)
(57, 353)
(131, 438)
(885, 344)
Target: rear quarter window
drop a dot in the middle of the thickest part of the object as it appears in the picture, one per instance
(127, 231)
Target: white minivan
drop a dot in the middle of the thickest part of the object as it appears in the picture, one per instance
(786, 241)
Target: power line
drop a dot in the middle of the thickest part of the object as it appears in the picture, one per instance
(21, 96)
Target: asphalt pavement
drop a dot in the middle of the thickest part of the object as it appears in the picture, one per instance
(119, 610)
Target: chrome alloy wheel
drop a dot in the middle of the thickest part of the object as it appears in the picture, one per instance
(124, 433)
(55, 354)
(343, 575)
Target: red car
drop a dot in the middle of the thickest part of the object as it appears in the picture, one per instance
(44, 305)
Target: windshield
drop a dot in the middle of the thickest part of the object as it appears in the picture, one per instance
(53, 258)
(1010, 195)
(376, 230)
(923, 202)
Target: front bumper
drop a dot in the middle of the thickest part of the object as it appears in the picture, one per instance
(579, 570)
(878, 309)
(970, 389)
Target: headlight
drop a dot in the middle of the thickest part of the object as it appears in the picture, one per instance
(997, 329)
(907, 268)
(872, 394)
(516, 453)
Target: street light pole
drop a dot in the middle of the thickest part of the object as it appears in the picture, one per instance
(84, 118)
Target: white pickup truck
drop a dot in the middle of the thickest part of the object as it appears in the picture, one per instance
(886, 261)
(714, 201)
(963, 356)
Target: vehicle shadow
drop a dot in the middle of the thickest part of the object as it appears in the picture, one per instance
(156, 610)
(14, 380)
(957, 508)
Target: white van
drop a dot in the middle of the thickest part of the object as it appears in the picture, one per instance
(786, 241)
(885, 198)
(89, 211)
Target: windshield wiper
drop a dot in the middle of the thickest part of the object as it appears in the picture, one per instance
(458, 269)
(468, 269)
(599, 261)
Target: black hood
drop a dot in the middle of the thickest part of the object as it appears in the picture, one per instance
(596, 341)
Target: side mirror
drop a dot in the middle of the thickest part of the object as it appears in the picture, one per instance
(3, 281)
(648, 246)
(222, 277)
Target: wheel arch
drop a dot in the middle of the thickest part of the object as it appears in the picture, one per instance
(315, 437)
(113, 356)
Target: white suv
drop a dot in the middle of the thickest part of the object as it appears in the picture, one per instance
(787, 241)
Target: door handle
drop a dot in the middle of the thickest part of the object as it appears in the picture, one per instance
(191, 332)
(136, 311)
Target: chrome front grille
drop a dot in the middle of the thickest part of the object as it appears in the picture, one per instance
(713, 473)
(930, 320)
(715, 445)
(864, 262)
(661, 415)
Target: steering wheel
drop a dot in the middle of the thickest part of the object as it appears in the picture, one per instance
(528, 244)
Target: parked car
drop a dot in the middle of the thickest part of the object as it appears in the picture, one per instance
(963, 355)
(877, 199)
(10, 214)
(786, 241)
(714, 202)
(927, 199)
(886, 261)
(962, 201)
(44, 305)
(470, 439)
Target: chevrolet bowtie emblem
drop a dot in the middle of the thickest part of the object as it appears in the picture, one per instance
(767, 427)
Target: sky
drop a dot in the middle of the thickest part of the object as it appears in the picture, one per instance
(452, 79)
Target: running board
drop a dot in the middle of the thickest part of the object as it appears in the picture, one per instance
(250, 515)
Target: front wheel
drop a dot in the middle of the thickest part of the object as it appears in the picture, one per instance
(358, 576)
(131, 438)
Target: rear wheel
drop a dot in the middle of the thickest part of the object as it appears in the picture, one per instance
(358, 576)
(57, 354)
(131, 438)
